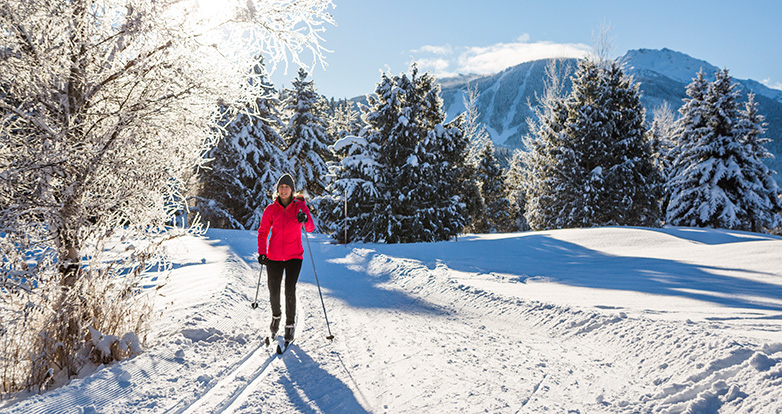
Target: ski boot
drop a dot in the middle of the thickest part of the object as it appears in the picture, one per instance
(275, 326)
(289, 333)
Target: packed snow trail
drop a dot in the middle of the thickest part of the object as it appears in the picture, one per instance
(591, 320)
(228, 390)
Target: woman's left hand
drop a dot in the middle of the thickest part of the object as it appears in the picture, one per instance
(301, 217)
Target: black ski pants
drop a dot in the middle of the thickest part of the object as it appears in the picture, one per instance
(274, 270)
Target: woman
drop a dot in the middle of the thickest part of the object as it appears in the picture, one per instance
(283, 252)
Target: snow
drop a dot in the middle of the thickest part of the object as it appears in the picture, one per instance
(348, 141)
(614, 319)
(675, 65)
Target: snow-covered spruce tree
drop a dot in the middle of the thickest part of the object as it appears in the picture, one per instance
(441, 212)
(106, 109)
(246, 163)
(442, 156)
(633, 184)
(306, 135)
(717, 180)
(420, 161)
(383, 119)
(718, 177)
(549, 162)
(589, 162)
(354, 178)
(497, 216)
(765, 204)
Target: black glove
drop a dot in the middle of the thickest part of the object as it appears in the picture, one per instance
(262, 259)
(301, 217)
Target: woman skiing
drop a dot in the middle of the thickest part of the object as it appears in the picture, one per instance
(282, 251)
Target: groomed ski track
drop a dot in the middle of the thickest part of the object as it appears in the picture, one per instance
(229, 391)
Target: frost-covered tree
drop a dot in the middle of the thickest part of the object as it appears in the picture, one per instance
(662, 138)
(474, 130)
(718, 178)
(107, 107)
(246, 163)
(542, 180)
(344, 121)
(589, 162)
(306, 135)
(515, 184)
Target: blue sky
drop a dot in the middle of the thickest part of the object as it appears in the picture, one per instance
(461, 36)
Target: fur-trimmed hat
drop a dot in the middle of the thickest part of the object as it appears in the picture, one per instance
(288, 180)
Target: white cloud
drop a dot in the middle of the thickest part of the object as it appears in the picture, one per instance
(771, 84)
(435, 50)
(438, 66)
(492, 59)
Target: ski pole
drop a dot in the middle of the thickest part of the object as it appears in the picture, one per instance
(330, 337)
(254, 305)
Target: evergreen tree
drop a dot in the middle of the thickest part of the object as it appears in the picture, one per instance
(546, 174)
(515, 185)
(496, 216)
(420, 162)
(441, 156)
(306, 135)
(354, 178)
(632, 181)
(590, 162)
(765, 204)
(690, 126)
(718, 179)
(246, 162)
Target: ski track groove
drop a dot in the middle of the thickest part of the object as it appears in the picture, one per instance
(195, 406)
(246, 383)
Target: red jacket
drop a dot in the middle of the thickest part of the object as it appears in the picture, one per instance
(285, 240)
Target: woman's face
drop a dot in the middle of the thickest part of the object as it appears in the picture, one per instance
(285, 191)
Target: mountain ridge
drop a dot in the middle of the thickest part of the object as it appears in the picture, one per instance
(505, 98)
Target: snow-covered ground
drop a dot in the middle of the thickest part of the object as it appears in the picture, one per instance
(580, 321)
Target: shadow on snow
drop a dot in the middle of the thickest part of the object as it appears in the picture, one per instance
(327, 392)
(343, 271)
(346, 281)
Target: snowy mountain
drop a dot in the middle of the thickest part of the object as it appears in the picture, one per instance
(598, 320)
(505, 97)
